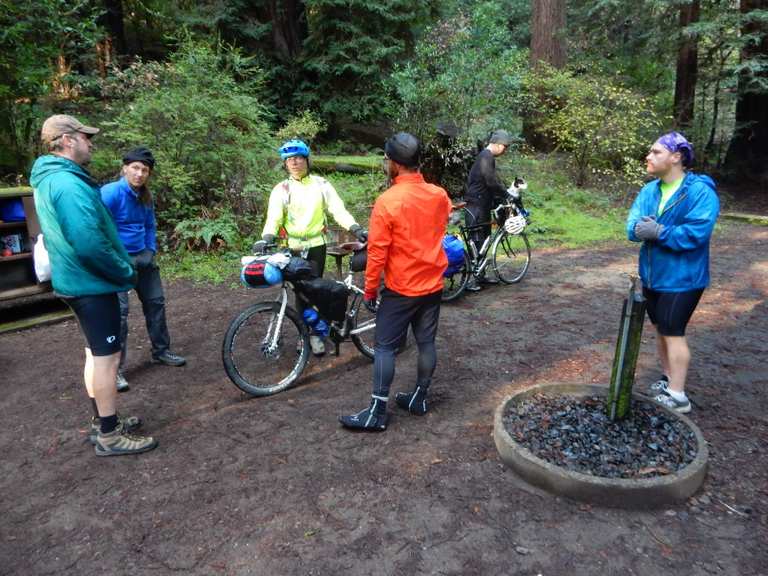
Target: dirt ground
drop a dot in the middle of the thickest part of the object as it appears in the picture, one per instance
(242, 486)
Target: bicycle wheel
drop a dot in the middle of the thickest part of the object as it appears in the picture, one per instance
(257, 363)
(511, 257)
(453, 285)
(363, 329)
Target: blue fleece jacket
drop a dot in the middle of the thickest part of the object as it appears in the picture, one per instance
(135, 221)
(679, 260)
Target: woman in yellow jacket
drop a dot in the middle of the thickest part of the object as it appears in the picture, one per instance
(299, 205)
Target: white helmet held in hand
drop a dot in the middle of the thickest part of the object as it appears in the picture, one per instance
(515, 224)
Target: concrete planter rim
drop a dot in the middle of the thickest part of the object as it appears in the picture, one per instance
(620, 492)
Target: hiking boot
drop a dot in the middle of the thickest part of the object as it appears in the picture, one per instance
(168, 358)
(129, 423)
(317, 345)
(122, 383)
(659, 387)
(372, 419)
(683, 407)
(415, 402)
(473, 285)
(119, 442)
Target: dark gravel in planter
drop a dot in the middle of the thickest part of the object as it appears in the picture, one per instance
(576, 434)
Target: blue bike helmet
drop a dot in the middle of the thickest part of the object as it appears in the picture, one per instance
(294, 148)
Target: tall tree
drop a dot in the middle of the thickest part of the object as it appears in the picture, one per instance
(687, 66)
(749, 147)
(548, 32)
(112, 21)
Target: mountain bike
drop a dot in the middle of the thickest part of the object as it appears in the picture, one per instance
(266, 347)
(506, 251)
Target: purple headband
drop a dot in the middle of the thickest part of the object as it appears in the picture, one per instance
(676, 142)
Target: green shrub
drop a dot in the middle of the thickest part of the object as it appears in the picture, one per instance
(208, 132)
(305, 127)
(213, 229)
(606, 128)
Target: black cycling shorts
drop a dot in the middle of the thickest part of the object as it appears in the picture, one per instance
(671, 311)
(99, 319)
(397, 312)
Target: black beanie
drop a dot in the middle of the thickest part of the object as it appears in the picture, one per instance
(140, 154)
(404, 149)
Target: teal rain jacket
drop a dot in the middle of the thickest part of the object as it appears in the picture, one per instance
(87, 257)
(679, 260)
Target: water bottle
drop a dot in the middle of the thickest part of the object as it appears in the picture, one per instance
(318, 325)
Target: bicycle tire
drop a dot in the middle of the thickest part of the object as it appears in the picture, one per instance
(258, 372)
(511, 257)
(454, 285)
(364, 341)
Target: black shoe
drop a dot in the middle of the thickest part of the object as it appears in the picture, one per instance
(415, 402)
(372, 419)
(169, 359)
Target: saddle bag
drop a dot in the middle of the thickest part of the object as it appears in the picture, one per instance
(328, 296)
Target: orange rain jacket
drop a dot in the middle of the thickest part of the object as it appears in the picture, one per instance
(405, 238)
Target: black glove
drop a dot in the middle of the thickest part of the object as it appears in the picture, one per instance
(144, 258)
(360, 233)
(648, 228)
(372, 305)
(269, 238)
(259, 246)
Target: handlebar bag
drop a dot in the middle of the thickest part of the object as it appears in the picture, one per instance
(328, 296)
(258, 273)
(298, 269)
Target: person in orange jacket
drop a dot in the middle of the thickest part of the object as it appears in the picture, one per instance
(405, 243)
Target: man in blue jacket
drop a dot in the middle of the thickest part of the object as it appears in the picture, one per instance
(130, 202)
(673, 216)
(89, 266)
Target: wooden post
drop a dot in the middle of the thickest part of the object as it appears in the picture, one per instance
(627, 351)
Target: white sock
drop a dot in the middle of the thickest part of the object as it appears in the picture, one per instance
(679, 396)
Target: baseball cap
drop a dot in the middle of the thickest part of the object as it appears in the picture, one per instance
(403, 148)
(500, 137)
(60, 124)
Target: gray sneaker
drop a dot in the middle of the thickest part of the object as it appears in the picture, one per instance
(119, 442)
(658, 387)
(129, 423)
(682, 407)
(317, 345)
(122, 383)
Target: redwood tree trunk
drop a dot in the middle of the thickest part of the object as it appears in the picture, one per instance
(289, 27)
(547, 32)
(748, 150)
(112, 20)
(687, 69)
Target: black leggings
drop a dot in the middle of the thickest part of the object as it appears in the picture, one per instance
(396, 313)
(316, 257)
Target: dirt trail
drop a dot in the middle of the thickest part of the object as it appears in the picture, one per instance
(274, 486)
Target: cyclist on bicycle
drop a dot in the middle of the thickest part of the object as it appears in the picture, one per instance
(298, 205)
(484, 191)
(408, 224)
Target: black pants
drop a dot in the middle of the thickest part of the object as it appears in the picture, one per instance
(316, 257)
(478, 214)
(397, 312)
(149, 289)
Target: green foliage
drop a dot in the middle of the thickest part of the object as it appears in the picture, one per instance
(213, 230)
(33, 35)
(605, 127)
(209, 135)
(349, 50)
(305, 126)
(465, 70)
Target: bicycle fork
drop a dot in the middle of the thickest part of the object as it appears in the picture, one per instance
(270, 344)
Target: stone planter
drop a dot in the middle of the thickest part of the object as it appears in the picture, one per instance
(619, 492)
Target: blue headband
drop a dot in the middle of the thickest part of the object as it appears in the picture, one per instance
(676, 142)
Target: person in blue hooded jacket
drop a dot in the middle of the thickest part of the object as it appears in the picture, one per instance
(673, 216)
(89, 266)
(130, 202)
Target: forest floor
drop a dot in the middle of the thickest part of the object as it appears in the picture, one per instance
(243, 486)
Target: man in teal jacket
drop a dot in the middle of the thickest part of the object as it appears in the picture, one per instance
(673, 216)
(89, 266)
